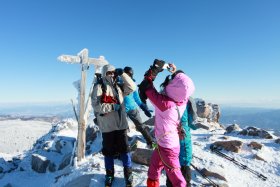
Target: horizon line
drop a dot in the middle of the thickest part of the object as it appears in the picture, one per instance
(221, 104)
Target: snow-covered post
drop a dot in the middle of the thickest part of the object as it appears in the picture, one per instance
(83, 59)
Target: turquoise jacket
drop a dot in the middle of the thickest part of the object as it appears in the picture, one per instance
(132, 101)
(187, 119)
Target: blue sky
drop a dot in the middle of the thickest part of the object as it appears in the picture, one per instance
(231, 49)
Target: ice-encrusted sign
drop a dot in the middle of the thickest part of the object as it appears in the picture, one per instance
(85, 61)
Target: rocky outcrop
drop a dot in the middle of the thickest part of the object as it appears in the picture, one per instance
(253, 131)
(257, 157)
(233, 128)
(65, 161)
(53, 152)
(201, 125)
(233, 146)
(7, 166)
(91, 133)
(255, 145)
(142, 156)
(52, 167)
(208, 110)
(212, 174)
(203, 109)
(277, 141)
(64, 144)
(39, 163)
(216, 113)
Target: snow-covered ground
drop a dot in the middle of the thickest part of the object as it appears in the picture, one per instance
(91, 171)
(18, 136)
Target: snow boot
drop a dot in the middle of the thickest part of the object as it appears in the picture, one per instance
(109, 178)
(152, 183)
(128, 176)
(187, 173)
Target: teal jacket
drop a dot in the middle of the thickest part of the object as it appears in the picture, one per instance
(187, 119)
(132, 101)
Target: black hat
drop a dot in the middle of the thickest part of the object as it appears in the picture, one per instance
(128, 70)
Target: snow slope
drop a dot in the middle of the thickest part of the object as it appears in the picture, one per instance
(91, 171)
(18, 136)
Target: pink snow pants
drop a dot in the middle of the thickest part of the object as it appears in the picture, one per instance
(163, 158)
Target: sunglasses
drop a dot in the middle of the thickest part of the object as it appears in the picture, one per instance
(110, 72)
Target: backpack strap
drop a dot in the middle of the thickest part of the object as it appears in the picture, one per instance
(179, 115)
(181, 130)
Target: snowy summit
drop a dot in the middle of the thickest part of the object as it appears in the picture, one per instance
(40, 154)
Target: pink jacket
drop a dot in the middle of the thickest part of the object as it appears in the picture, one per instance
(167, 120)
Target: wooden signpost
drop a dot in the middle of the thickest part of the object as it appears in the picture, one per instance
(83, 59)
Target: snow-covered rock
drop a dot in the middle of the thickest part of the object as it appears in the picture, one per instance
(39, 163)
(253, 131)
(233, 145)
(233, 129)
(255, 145)
(208, 110)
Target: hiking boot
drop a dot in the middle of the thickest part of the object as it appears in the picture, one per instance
(187, 173)
(109, 178)
(128, 176)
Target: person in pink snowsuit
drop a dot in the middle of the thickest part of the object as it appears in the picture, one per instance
(169, 108)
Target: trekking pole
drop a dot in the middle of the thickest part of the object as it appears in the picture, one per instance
(215, 150)
(242, 165)
(204, 176)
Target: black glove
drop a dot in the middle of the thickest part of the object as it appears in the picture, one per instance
(118, 71)
(149, 77)
(98, 78)
(142, 89)
(157, 67)
(146, 110)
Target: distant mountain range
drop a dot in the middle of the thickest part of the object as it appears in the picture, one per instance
(31, 110)
(259, 117)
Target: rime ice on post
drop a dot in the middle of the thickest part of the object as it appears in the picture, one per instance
(83, 59)
(77, 85)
